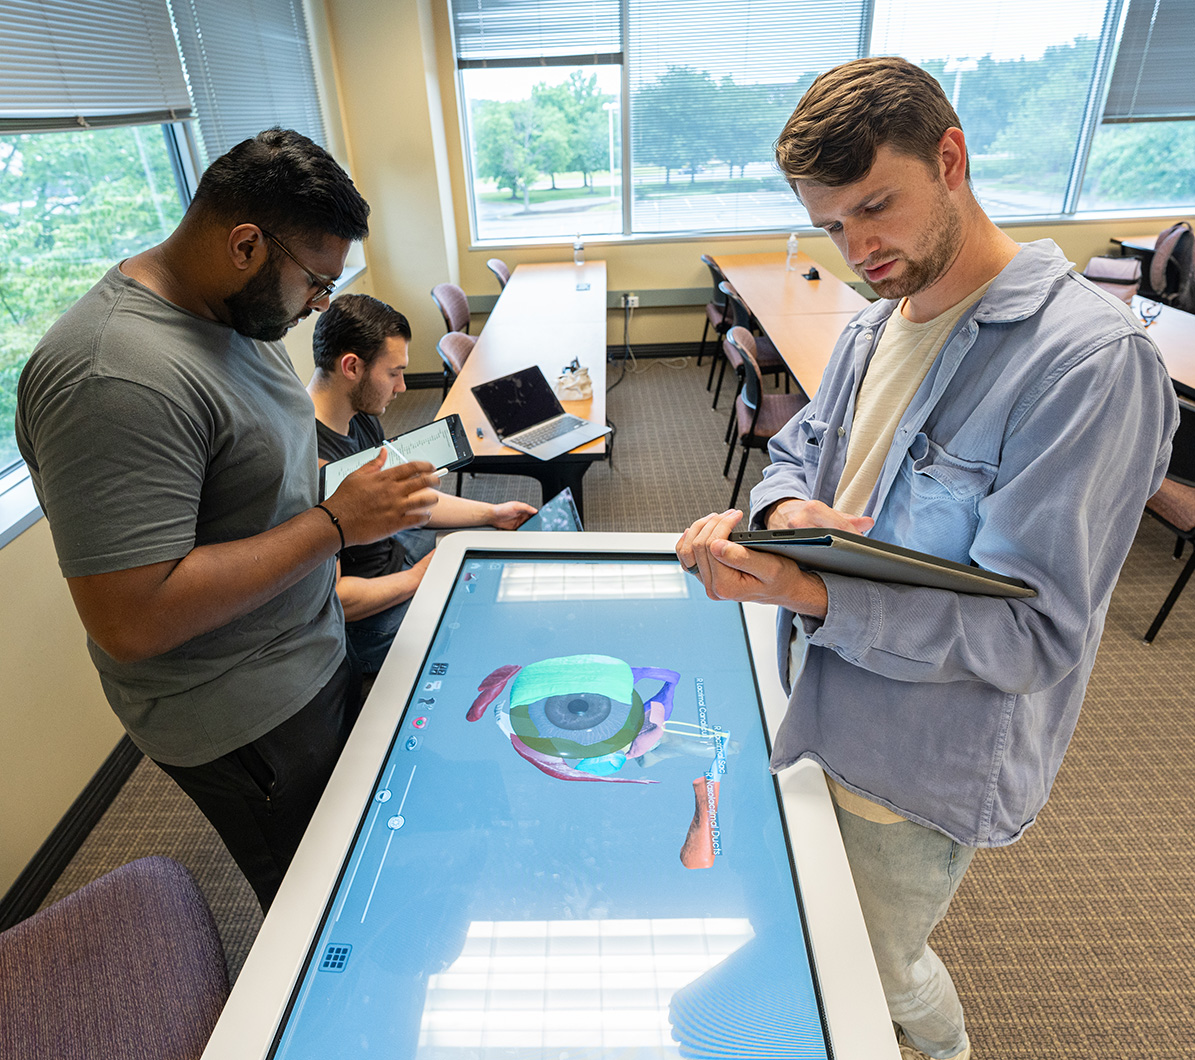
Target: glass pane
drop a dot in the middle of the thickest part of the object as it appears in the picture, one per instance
(1019, 74)
(71, 205)
(1148, 165)
(545, 146)
(711, 90)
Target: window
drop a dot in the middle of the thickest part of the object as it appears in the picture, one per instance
(695, 92)
(98, 155)
(71, 204)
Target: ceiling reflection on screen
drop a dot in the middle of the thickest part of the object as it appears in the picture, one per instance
(561, 983)
(541, 582)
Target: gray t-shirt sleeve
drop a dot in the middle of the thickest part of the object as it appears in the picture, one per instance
(122, 470)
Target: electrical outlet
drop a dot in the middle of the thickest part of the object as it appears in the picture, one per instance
(630, 301)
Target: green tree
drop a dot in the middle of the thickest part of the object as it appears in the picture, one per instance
(1039, 139)
(669, 121)
(744, 124)
(1150, 163)
(72, 204)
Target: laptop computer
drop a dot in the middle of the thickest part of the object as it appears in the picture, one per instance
(526, 415)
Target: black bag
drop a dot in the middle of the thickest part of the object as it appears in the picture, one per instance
(1120, 276)
(1172, 269)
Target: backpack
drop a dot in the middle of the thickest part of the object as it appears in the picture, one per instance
(1172, 269)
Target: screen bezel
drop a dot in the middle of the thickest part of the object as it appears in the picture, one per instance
(853, 1009)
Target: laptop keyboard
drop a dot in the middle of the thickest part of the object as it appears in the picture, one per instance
(547, 431)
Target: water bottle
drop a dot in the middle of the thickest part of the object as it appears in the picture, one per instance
(790, 262)
(578, 251)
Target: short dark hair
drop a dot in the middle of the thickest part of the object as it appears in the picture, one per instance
(850, 112)
(285, 183)
(355, 323)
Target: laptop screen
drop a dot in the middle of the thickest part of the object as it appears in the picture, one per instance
(517, 401)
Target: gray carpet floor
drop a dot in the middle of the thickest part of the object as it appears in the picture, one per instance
(1076, 942)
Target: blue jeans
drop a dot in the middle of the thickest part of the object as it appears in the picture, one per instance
(370, 638)
(906, 876)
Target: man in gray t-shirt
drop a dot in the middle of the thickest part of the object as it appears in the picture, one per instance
(173, 450)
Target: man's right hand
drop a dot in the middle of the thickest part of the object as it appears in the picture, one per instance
(373, 503)
(794, 514)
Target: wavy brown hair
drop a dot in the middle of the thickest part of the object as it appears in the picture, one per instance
(849, 112)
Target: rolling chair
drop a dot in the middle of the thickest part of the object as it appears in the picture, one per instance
(1174, 507)
(129, 967)
(454, 349)
(453, 305)
(498, 267)
(717, 314)
(759, 416)
(766, 355)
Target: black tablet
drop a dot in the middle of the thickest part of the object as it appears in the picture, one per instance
(842, 552)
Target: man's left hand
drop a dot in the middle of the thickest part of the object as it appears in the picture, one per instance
(510, 515)
(730, 571)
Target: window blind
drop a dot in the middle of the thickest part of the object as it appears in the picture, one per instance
(1153, 78)
(711, 85)
(249, 66)
(510, 32)
(67, 64)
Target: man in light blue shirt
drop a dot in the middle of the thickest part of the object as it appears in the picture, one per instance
(992, 408)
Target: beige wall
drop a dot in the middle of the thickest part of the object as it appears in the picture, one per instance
(55, 726)
(390, 95)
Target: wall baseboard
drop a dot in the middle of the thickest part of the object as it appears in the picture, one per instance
(29, 889)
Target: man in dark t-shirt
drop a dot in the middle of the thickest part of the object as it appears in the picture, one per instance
(361, 353)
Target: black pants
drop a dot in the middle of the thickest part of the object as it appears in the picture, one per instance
(261, 796)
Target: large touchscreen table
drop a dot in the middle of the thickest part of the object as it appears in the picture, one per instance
(573, 847)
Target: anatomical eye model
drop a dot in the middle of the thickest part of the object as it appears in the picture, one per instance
(583, 717)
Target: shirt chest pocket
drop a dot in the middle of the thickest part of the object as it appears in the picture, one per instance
(813, 437)
(935, 507)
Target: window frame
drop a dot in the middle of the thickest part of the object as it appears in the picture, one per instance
(19, 507)
(1115, 15)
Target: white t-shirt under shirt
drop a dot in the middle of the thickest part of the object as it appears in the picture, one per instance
(902, 358)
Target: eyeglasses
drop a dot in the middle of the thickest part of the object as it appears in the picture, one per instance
(1150, 311)
(322, 287)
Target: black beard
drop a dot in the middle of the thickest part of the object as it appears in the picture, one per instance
(253, 310)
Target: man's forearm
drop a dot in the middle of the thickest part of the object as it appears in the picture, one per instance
(362, 597)
(145, 611)
(459, 511)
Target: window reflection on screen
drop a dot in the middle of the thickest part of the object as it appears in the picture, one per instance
(574, 845)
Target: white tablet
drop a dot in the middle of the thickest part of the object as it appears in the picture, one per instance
(554, 834)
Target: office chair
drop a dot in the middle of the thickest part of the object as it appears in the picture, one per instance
(129, 967)
(454, 349)
(498, 267)
(1174, 507)
(766, 355)
(759, 416)
(716, 314)
(453, 304)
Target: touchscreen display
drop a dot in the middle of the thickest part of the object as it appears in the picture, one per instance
(574, 848)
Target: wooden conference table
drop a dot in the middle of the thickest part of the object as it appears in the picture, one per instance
(1173, 331)
(546, 315)
(802, 317)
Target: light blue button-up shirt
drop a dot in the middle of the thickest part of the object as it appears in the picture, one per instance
(1030, 449)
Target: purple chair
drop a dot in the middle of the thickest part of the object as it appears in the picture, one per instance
(453, 305)
(498, 267)
(759, 416)
(717, 314)
(766, 355)
(454, 349)
(129, 967)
